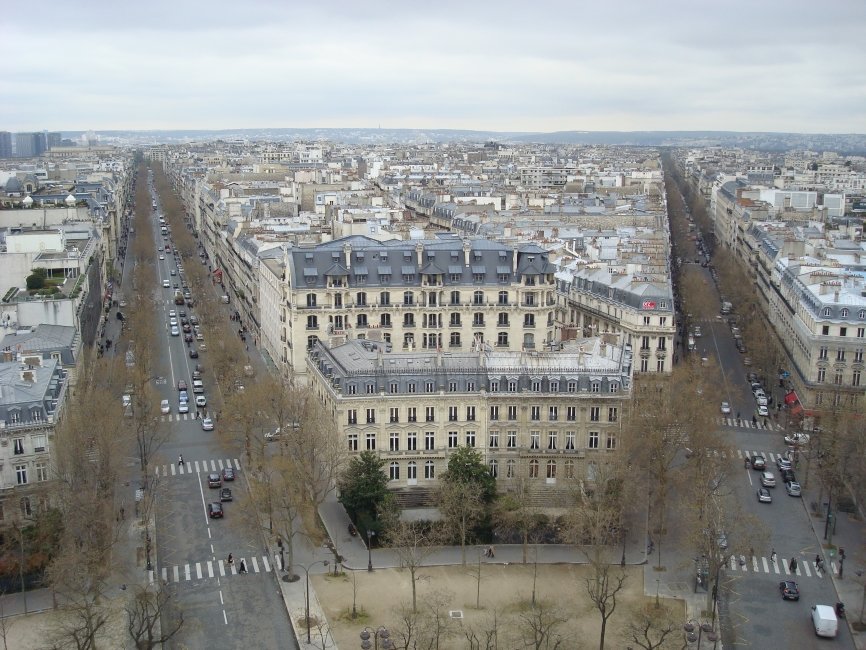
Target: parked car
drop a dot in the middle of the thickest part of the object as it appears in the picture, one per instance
(226, 494)
(164, 407)
(789, 590)
(187, 338)
(215, 510)
(200, 401)
(207, 424)
(768, 480)
(763, 411)
(726, 408)
(787, 476)
(193, 353)
(783, 463)
(793, 489)
(214, 480)
(764, 495)
(228, 474)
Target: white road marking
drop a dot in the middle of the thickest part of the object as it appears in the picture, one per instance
(198, 570)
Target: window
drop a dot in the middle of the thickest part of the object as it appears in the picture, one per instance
(455, 320)
(478, 319)
(470, 414)
(553, 413)
(470, 386)
(408, 298)
(412, 470)
(612, 414)
(821, 375)
(837, 378)
(593, 440)
(494, 468)
(569, 440)
(843, 331)
(825, 330)
(429, 470)
(510, 466)
(535, 413)
(512, 413)
(452, 386)
(502, 339)
(840, 355)
(26, 509)
(429, 387)
(21, 474)
(430, 414)
(311, 341)
(554, 387)
(352, 416)
(529, 320)
(861, 314)
(411, 388)
(534, 439)
(478, 298)
(572, 387)
(503, 297)
(393, 388)
(311, 300)
(644, 365)
(861, 332)
(826, 311)
(611, 441)
(822, 353)
(551, 469)
(312, 322)
(494, 439)
(385, 298)
(858, 356)
(394, 442)
(371, 389)
(502, 320)
(408, 320)
(361, 299)
(569, 469)
(533, 468)
(371, 442)
(613, 387)
(571, 413)
(470, 438)
(38, 441)
(452, 440)
(595, 387)
(412, 414)
(452, 414)
(371, 416)
(351, 389)
(455, 295)
(361, 321)
(353, 442)
(551, 440)
(855, 378)
(394, 471)
(494, 386)
(594, 413)
(512, 440)
(18, 446)
(536, 386)
(494, 413)
(429, 440)
(844, 313)
(338, 300)
(412, 441)
(512, 386)
(454, 339)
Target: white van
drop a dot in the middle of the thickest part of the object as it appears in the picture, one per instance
(197, 386)
(824, 620)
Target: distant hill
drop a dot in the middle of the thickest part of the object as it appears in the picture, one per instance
(849, 143)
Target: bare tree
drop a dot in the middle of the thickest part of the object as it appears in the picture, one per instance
(540, 626)
(655, 628)
(413, 542)
(602, 587)
(146, 620)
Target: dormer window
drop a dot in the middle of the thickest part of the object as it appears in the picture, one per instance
(844, 313)
(826, 313)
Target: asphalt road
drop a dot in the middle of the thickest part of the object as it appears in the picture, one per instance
(221, 607)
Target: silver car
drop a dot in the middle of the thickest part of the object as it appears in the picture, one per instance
(768, 480)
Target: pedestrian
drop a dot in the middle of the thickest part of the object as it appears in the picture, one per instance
(792, 565)
(738, 416)
(243, 567)
(773, 556)
(231, 560)
(492, 552)
(180, 461)
(817, 561)
(754, 421)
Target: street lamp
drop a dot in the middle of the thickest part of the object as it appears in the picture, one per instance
(370, 534)
(380, 633)
(307, 609)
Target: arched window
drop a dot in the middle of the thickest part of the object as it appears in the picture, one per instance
(844, 313)
(826, 311)
(412, 472)
(430, 470)
(569, 469)
(551, 469)
(494, 468)
(533, 468)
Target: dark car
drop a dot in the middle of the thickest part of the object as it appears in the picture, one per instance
(215, 510)
(226, 494)
(788, 476)
(181, 384)
(759, 463)
(214, 480)
(789, 590)
(187, 327)
(187, 338)
(193, 353)
(228, 474)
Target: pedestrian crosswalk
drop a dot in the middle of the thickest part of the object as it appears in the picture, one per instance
(177, 417)
(779, 566)
(218, 568)
(197, 467)
(742, 454)
(746, 423)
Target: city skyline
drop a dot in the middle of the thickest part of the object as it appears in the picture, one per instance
(564, 66)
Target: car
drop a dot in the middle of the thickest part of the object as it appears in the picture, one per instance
(747, 361)
(175, 331)
(226, 494)
(183, 407)
(182, 313)
(726, 408)
(788, 476)
(698, 333)
(199, 336)
(172, 313)
(207, 424)
(789, 590)
(793, 489)
(764, 495)
(186, 328)
(162, 257)
(761, 400)
(196, 374)
(193, 320)
(756, 387)
(215, 510)
(763, 411)
(175, 285)
(752, 378)
(797, 439)
(193, 353)
(768, 480)
(172, 322)
(188, 338)
(159, 249)
(166, 284)
(164, 407)
(759, 463)
(214, 480)
(123, 303)
(228, 474)
(200, 401)
(181, 385)
(126, 400)
(183, 396)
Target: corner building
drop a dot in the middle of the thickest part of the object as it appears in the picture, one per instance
(547, 417)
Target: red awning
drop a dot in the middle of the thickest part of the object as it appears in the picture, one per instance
(791, 398)
(797, 409)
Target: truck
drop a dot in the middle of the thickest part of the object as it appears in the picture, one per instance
(178, 297)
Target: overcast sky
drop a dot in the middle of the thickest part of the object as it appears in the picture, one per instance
(624, 65)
